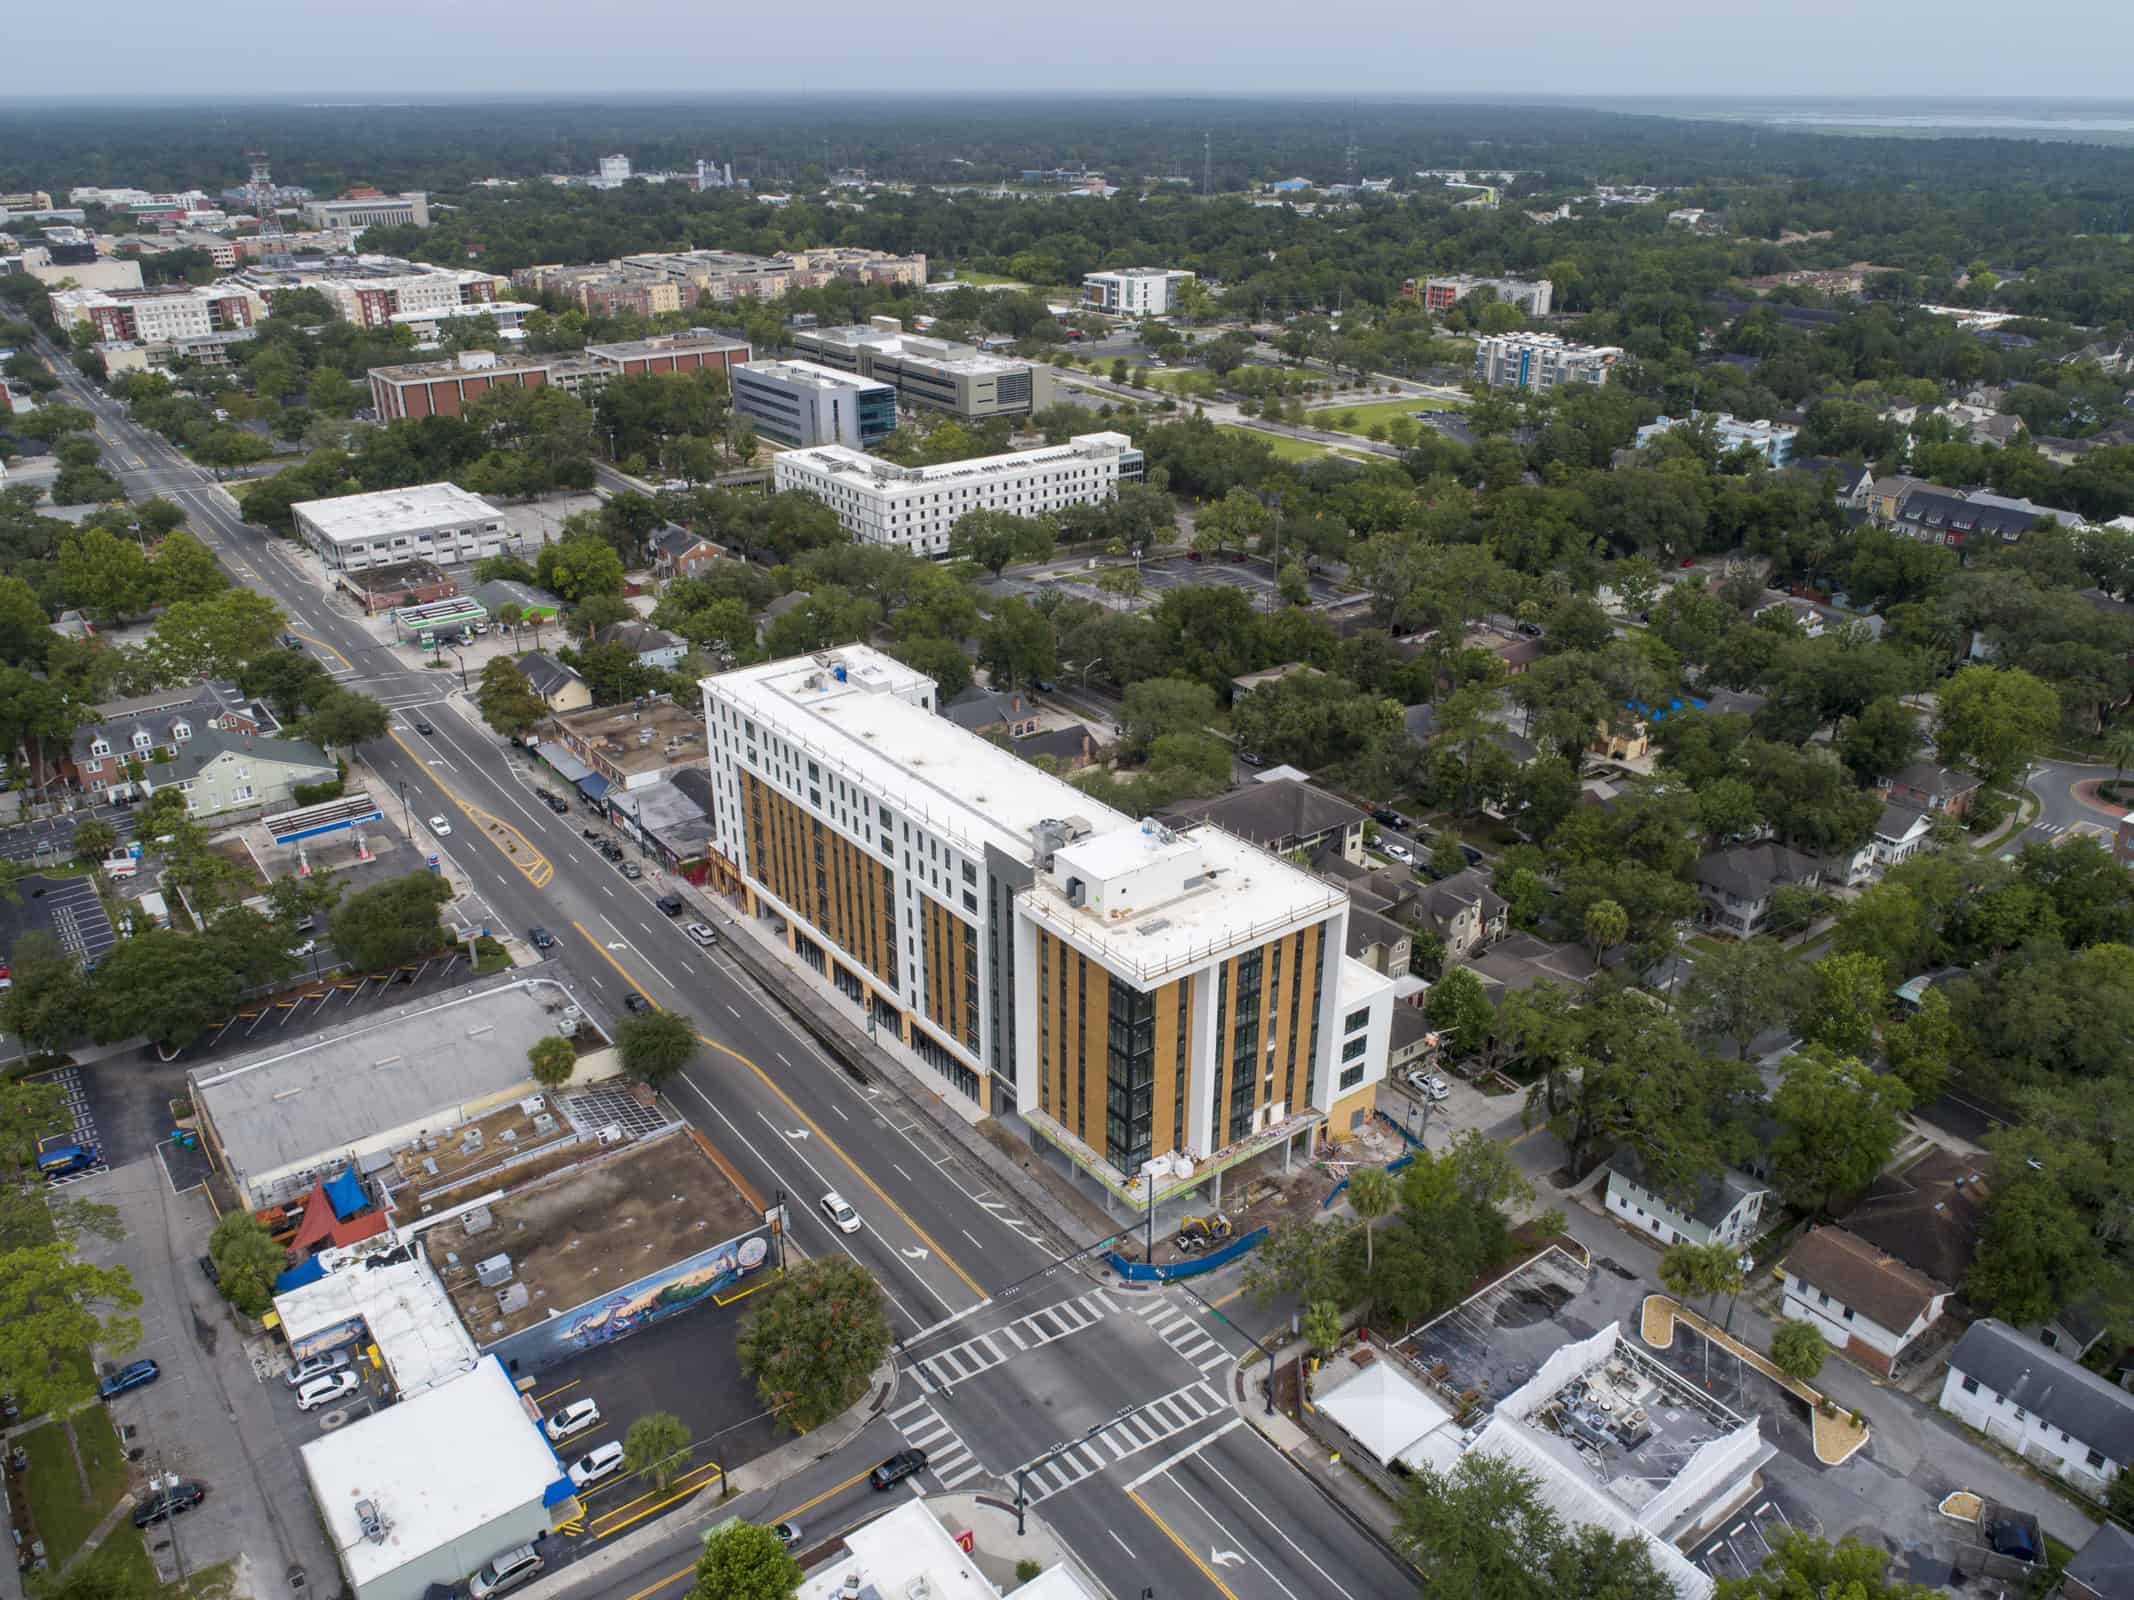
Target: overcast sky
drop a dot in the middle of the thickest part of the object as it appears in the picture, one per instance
(1943, 48)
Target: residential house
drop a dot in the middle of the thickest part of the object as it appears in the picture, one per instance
(1521, 960)
(1379, 942)
(1285, 818)
(2103, 1569)
(1726, 1209)
(653, 647)
(1931, 787)
(1245, 683)
(1069, 749)
(1414, 1041)
(2054, 1412)
(1883, 496)
(1465, 912)
(559, 687)
(1941, 516)
(1631, 742)
(151, 727)
(981, 710)
(222, 772)
(1738, 883)
(1517, 651)
(1849, 479)
(678, 553)
(2072, 1331)
(778, 608)
(1876, 1282)
(2123, 841)
(1899, 834)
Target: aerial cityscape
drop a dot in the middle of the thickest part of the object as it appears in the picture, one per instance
(978, 831)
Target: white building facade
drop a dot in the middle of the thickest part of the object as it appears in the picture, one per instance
(438, 522)
(1135, 291)
(1541, 361)
(1773, 441)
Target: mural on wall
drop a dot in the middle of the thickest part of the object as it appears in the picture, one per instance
(716, 1274)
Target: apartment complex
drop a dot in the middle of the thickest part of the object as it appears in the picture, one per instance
(1541, 361)
(801, 403)
(448, 388)
(681, 280)
(1531, 295)
(913, 508)
(1134, 291)
(814, 268)
(370, 291)
(1772, 440)
(438, 522)
(149, 316)
(1132, 991)
(930, 373)
(367, 208)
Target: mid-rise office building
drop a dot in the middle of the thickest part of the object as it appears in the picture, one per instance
(933, 374)
(1541, 361)
(1771, 440)
(435, 522)
(358, 209)
(1134, 291)
(914, 508)
(1133, 992)
(448, 388)
(1531, 295)
(800, 403)
(149, 316)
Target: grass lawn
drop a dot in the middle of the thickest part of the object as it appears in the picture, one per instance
(1191, 381)
(63, 1519)
(973, 275)
(1284, 447)
(1370, 411)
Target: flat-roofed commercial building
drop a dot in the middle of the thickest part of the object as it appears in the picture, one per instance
(354, 212)
(693, 350)
(448, 388)
(801, 403)
(438, 522)
(1531, 295)
(1133, 992)
(152, 316)
(1135, 291)
(913, 508)
(1541, 361)
(371, 290)
(933, 373)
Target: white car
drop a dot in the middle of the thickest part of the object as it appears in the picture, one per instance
(574, 1418)
(326, 1390)
(1436, 1087)
(1400, 853)
(702, 934)
(603, 1462)
(842, 1217)
(305, 948)
(316, 1367)
(440, 827)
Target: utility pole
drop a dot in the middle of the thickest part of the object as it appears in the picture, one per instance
(1207, 164)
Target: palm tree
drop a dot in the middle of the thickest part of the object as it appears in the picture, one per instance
(1371, 1195)
(2120, 747)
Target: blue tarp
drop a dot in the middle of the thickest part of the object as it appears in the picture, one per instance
(345, 1194)
(310, 1271)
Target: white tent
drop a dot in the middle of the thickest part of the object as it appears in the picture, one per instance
(1384, 1409)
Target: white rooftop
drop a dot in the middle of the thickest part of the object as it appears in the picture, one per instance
(411, 1461)
(808, 374)
(942, 353)
(478, 308)
(889, 478)
(388, 511)
(1383, 1408)
(410, 1317)
(907, 1552)
(869, 726)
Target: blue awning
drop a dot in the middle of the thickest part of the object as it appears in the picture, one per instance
(309, 1271)
(593, 786)
(568, 767)
(345, 1194)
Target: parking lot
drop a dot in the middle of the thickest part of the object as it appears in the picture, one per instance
(67, 908)
(52, 838)
(1740, 1547)
(1249, 573)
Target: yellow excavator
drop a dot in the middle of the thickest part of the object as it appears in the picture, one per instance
(1199, 1233)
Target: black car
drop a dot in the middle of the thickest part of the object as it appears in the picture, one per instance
(897, 1468)
(424, 728)
(671, 904)
(557, 804)
(1387, 817)
(167, 1503)
(210, 1271)
(540, 938)
(633, 1001)
(590, 833)
(1252, 758)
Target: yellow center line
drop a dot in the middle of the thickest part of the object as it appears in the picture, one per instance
(558, 1390)
(536, 867)
(1185, 1549)
(814, 1127)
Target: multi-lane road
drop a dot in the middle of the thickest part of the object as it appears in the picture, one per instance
(1118, 1402)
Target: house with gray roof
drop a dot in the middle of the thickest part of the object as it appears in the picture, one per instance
(1738, 883)
(1726, 1208)
(653, 647)
(498, 593)
(791, 601)
(1465, 912)
(220, 772)
(1932, 787)
(1285, 816)
(557, 685)
(2053, 1412)
(150, 727)
(981, 710)
(2103, 1569)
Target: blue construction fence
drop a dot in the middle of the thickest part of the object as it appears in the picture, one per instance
(1398, 1164)
(1144, 1272)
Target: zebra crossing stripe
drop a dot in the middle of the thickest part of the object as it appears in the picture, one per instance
(1017, 1339)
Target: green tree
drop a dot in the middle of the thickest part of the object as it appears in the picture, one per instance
(1303, 1260)
(997, 539)
(215, 637)
(1838, 1122)
(52, 1309)
(552, 1060)
(183, 568)
(45, 1004)
(745, 1561)
(1922, 1047)
(1807, 1568)
(579, 568)
(656, 1447)
(1797, 1349)
(1483, 1532)
(344, 718)
(1459, 1010)
(508, 702)
(392, 923)
(162, 985)
(654, 1045)
(813, 1339)
(1322, 1326)
(1606, 926)
(1994, 720)
(1446, 856)
(247, 1261)
(1372, 1193)
(106, 575)
(1156, 706)
(1847, 997)
(1738, 991)
(94, 840)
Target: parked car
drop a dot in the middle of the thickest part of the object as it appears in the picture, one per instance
(557, 804)
(324, 1391)
(1252, 758)
(440, 827)
(1436, 1087)
(839, 1210)
(670, 904)
(788, 1533)
(505, 1572)
(703, 935)
(603, 1462)
(209, 1270)
(1398, 852)
(632, 871)
(590, 833)
(897, 1468)
(170, 1501)
(134, 1375)
(541, 939)
(1387, 817)
(573, 1419)
(62, 1158)
(316, 1367)
(633, 1001)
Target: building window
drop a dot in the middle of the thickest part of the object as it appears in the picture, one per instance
(2094, 1460)
(1353, 1050)
(1356, 1019)
(1351, 1076)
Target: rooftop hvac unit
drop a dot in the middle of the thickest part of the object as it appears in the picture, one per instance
(511, 1298)
(372, 1521)
(544, 1125)
(493, 1271)
(611, 1134)
(470, 1142)
(533, 1105)
(480, 1220)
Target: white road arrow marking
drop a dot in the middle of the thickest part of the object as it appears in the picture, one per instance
(914, 1255)
(796, 1133)
(617, 944)
(1225, 1558)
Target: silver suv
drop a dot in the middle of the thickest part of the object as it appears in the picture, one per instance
(504, 1572)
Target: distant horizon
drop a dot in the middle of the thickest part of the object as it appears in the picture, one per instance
(1632, 103)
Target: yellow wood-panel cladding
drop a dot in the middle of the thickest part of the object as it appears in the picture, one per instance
(948, 991)
(857, 906)
(1290, 1060)
(1079, 1086)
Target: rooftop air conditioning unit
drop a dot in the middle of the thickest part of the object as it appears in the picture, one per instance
(480, 1220)
(512, 1298)
(496, 1270)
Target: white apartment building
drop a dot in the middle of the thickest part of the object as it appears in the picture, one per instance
(153, 316)
(914, 508)
(438, 522)
(1134, 291)
(1534, 296)
(1772, 440)
(1541, 361)
(1135, 993)
(2054, 1412)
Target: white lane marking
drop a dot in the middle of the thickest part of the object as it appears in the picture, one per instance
(1217, 1522)
(968, 1235)
(1284, 1537)
(729, 1007)
(840, 1110)
(900, 1172)
(1165, 1465)
(1123, 1545)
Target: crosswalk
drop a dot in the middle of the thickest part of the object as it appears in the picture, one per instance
(1149, 1425)
(960, 1363)
(948, 1458)
(1184, 1334)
